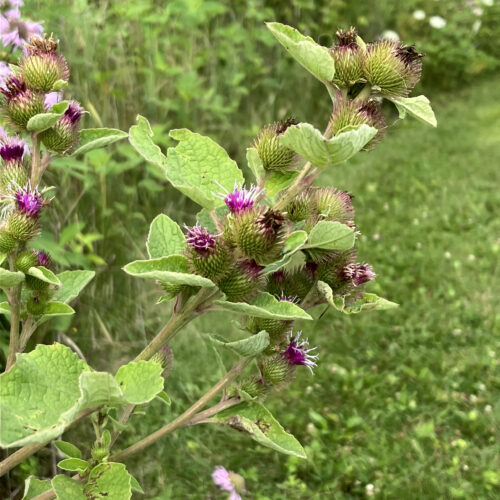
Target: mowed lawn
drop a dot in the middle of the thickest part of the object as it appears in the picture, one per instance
(404, 404)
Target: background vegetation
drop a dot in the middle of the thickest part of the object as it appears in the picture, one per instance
(405, 400)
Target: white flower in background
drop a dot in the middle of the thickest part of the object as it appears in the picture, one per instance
(419, 15)
(476, 26)
(437, 22)
(488, 3)
(390, 35)
(477, 11)
(369, 489)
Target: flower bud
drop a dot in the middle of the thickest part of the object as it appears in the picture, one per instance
(36, 303)
(99, 453)
(275, 369)
(258, 234)
(64, 135)
(273, 155)
(42, 66)
(13, 172)
(332, 204)
(20, 103)
(348, 57)
(26, 260)
(22, 227)
(242, 282)
(254, 387)
(352, 113)
(7, 241)
(301, 207)
(392, 67)
(294, 283)
(207, 253)
(359, 273)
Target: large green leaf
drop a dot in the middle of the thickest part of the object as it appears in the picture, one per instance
(165, 237)
(171, 269)
(54, 381)
(43, 121)
(293, 244)
(44, 274)
(199, 168)
(72, 283)
(315, 58)
(55, 308)
(9, 278)
(251, 346)
(419, 107)
(34, 487)
(309, 142)
(106, 481)
(257, 421)
(266, 306)
(95, 138)
(367, 302)
(140, 137)
(331, 235)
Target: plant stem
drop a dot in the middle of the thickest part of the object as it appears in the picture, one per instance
(35, 163)
(14, 299)
(365, 92)
(201, 417)
(185, 418)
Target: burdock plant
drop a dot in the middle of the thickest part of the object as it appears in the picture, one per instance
(274, 251)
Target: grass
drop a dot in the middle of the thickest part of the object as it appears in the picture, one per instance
(404, 400)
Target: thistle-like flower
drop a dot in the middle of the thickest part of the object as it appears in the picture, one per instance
(14, 31)
(273, 155)
(12, 152)
(229, 481)
(333, 204)
(348, 58)
(392, 67)
(359, 273)
(43, 258)
(42, 66)
(242, 281)
(352, 113)
(29, 201)
(297, 352)
(20, 102)
(200, 239)
(64, 135)
(240, 199)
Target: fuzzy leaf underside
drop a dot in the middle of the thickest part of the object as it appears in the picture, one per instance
(266, 306)
(34, 487)
(96, 138)
(171, 269)
(331, 235)
(419, 107)
(44, 274)
(313, 57)
(254, 419)
(44, 121)
(251, 346)
(309, 142)
(72, 283)
(54, 381)
(165, 238)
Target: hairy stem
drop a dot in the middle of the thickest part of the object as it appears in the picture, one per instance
(14, 299)
(35, 160)
(185, 418)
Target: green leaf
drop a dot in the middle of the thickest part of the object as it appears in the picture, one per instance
(171, 269)
(73, 464)
(108, 481)
(99, 388)
(277, 181)
(165, 238)
(72, 283)
(315, 58)
(257, 421)
(199, 167)
(34, 487)
(309, 142)
(204, 218)
(266, 306)
(9, 278)
(140, 137)
(367, 302)
(164, 398)
(43, 121)
(95, 138)
(419, 107)
(251, 346)
(4, 308)
(59, 85)
(293, 244)
(57, 309)
(255, 163)
(330, 235)
(68, 449)
(44, 274)
(66, 488)
(140, 381)
(134, 484)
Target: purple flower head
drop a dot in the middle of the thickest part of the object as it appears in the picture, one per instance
(13, 86)
(228, 481)
(13, 30)
(200, 239)
(347, 39)
(359, 273)
(5, 71)
(251, 267)
(296, 352)
(43, 258)
(240, 199)
(29, 201)
(408, 54)
(286, 298)
(52, 98)
(12, 149)
(73, 114)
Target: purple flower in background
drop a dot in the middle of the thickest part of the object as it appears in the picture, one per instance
(359, 273)
(5, 71)
(43, 258)
(73, 114)
(229, 481)
(240, 199)
(29, 201)
(52, 98)
(14, 31)
(297, 353)
(200, 239)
